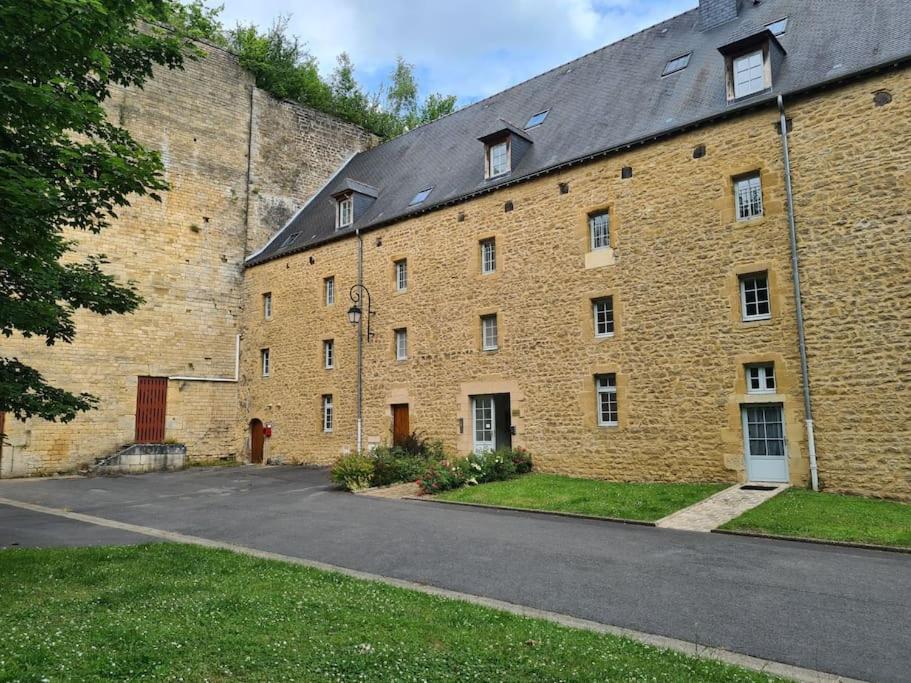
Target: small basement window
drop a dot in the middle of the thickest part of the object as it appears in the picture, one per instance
(677, 64)
(537, 119)
(778, 27)
(420, 196)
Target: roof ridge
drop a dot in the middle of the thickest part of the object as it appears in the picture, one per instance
(536, 76)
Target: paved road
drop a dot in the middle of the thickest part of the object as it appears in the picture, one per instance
(838, 610)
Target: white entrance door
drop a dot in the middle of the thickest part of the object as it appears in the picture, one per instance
(764, 444)
(484, 427)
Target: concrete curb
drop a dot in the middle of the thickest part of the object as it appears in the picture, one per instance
(815, 541)
(765, 666)
(554, 513)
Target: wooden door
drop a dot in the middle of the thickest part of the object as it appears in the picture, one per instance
(400, 427)
(151, 409)
(256, 441)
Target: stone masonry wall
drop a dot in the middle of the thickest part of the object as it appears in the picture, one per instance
(679, 348)
(186, 256)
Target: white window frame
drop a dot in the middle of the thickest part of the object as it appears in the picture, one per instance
(401, 344)
(744, 188)
(401, 275)
(599, 234)
(490, 335)
(266, 361)
(493, 152)
(329, 290)
(345, 212)
(328, 413)
(606, 303)
(763, 375)
(606, 392)
(755, 290)
(488, 256)
(267, 306)
(329, 354)
(748, 76)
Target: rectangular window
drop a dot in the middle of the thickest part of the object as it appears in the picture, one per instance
(266, 362)
(748, 196)
(328, 416)
(329, 353)
(778, 27)
(488, 256)
(603, 310)
(760, 378)
(754, 297)
(401, 275)
(749, 74)
(599, 227)
(489, 332)
(606, 390)
(345, 214)
(267, 305)
(498, 159)
(329, 290)
(401, 344)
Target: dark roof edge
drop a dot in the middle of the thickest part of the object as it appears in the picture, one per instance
(768, 100)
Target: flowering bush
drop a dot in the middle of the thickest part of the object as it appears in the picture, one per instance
(392, 465)
(477, 468)
(353, 472)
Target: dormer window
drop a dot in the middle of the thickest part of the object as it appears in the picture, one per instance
(498, 159)
(751, 64)
(749, 74)
(345, 212)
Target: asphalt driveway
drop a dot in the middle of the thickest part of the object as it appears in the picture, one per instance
(838, 610)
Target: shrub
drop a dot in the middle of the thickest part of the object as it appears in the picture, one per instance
(393, 465)
(477, 468)
(353, 472)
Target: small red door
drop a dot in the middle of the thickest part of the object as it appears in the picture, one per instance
(256, 441)
(151, 409)
(400, 426)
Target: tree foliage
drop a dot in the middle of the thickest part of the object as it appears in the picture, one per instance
(64, 166)
(284, 67)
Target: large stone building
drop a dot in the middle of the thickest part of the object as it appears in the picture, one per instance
(600, 264)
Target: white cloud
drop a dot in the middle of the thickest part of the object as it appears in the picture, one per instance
(470, 48)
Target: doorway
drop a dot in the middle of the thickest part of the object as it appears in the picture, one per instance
(151, 409)
(764, 443)
(401, 427)
(257, 440)
(491, 422)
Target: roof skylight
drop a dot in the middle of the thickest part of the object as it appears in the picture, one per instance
(677, 64)
(778, 27)
(537, 119)
(420, 196)
(289, 239)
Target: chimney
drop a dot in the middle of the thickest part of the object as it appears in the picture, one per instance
(713, 13)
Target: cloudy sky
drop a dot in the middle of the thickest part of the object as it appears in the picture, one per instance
(470, 48)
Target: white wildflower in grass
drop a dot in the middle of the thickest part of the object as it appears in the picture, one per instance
(365, 648)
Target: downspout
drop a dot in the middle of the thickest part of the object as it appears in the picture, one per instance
(360, 344)
(798, 301)
(181, 378)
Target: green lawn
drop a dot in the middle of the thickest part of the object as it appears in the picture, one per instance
(175, 612)
(828, 516)
(640, 502)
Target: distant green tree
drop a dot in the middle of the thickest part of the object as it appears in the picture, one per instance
(402, 97)
(65, 167)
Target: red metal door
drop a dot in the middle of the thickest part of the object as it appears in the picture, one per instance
(151, 409)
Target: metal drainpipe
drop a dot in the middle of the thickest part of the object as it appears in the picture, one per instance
(798, 302)
(360, 344)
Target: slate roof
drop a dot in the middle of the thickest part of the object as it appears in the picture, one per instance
(603, 101)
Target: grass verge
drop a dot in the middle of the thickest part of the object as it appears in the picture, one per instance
(176, 612)
(829, 517)
(554, 493)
